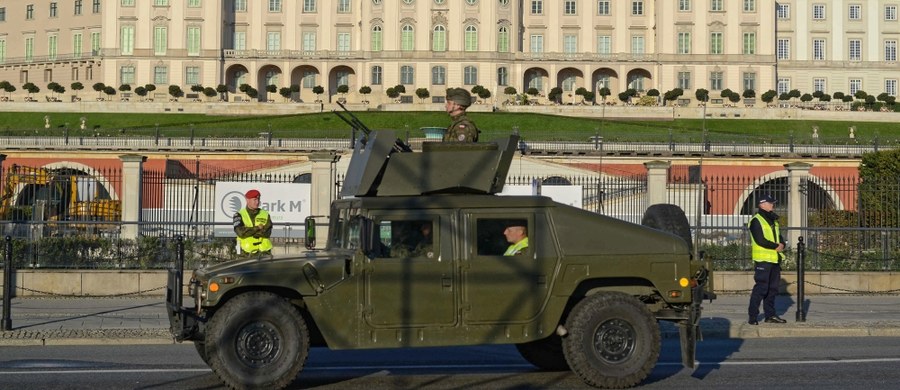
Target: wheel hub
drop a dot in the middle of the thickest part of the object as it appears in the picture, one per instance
(258, 344)
(614, 340)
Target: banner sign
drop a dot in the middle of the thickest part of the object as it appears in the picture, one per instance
(288, 205)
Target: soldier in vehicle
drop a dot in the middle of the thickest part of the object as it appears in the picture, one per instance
(516, 234)
(462, 129)
(253, 226)
(425, 247)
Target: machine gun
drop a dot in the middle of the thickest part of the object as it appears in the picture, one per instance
(356, 124)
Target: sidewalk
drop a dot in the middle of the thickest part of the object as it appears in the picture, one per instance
(82, 321)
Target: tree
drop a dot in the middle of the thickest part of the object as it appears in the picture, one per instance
(99, 88)
(125, 88)
(784, 96)
(734, 97)
(882, 97)
(209, 92)
(392, 93)
(847, 99)
(422, 94)
(343, 89)
(285, 92)
(838, 96)
(726, 93)
(670, 95)
(532, 91)
(175, 91)
(318, 90)
(271, 88)
(150, 88)
(53, 86)
(243, 88)
(109, 91)
(510, 91)
(870, 100)
(878, 172)
(31, 88)
(794, 93)
(604, 92)
(589, 96)
(400, 88)
(749, 94)
(818, 95)
(251, 92)
(555, 94)
(769, 96)
(825, 98)
(806, 98)
(653, 92)
(141, 91)
(365, 90)
(197, 88)
(861, 95)
(76, 86)
(581, 91)
(484, 94)
(222, 89)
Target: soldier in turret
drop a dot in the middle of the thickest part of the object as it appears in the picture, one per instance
(462, 129)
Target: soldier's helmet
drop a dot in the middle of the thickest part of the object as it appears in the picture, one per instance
(459, 96)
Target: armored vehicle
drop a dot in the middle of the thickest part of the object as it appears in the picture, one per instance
(415, 257)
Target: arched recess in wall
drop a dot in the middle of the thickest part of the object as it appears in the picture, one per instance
(819, 194)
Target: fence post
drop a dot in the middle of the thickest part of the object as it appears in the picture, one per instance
(7, 284)
(179, 271)
(801, 279)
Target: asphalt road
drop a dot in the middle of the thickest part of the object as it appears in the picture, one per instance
(796, 363)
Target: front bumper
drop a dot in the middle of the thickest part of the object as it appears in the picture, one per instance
(184, 323)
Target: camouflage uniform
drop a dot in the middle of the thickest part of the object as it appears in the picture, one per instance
(461, 130)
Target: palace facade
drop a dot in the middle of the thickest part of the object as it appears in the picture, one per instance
(810, 45)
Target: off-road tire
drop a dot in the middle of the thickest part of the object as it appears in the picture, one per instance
(546, 354)
(612, 340)
(257, 340)
(669, 218)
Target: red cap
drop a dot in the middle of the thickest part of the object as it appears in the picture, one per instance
(252, 194)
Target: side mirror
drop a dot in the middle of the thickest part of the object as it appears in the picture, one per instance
(309, 226)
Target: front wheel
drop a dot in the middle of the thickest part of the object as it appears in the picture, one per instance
(257, 340)
(612, 341)
(546, 354)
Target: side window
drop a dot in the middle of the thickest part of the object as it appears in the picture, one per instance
(502, 236)
(407, 238)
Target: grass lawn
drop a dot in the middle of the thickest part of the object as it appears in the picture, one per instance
(532, 127)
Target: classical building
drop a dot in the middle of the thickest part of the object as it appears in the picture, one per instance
(435, 44)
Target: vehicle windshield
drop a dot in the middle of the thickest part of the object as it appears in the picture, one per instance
(344, 230)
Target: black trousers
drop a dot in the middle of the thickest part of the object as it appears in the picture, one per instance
(768, 278)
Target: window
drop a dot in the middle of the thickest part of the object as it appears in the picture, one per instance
(193, 4)
(603, 7)
(29, 12)
(439, 2)
(502, 76)
(684, 80)
(535, 80)
(818, 84)
(537, 7)
(406, 239)
(570, 43)
(637, 7)
(684, 5)
(404, 1)
(376, 44)
(376, 75)
(193, 40)
(439, 38)
(53, 9)
(160, 40)
(749, 43)
(343, 41)
(684, 43)
(749, 81)
(749, 5)
(438, 75)
(52, 46)
(29, 49)
(161, 3)
(128, 3)
(407, 40)
(503, 39)
(78, 7)
(504, 2)
(192, 75)
(2, 14)
(77, 44)
(2, 51)
(890, 50)
(637, 44)
(275, 5)
(783, 49)
(126, 74)
(273, 40)
(470, 2)
(783, 86)
(568, 83)
(890, 12)
(127, 40)
(240, 40)
(782, 11)
(95, 7)
(309, 41)
(537, 43)
(309, 6)
(855, 12)
(160, 75)
(855, 86)
(471, 38)
(308, 79)
(95, 43)
(604, 44)
(569, 7)
(855, 50)
(715, 81)
(470, 75)
(343, 6)
(240, 5)
(715, 43)
(407, 75)
(491, 239)
(818, 12)
(716, 5)
(818, 49)
(342, 78)
(890, 87)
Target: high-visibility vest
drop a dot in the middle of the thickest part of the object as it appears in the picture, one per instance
(515, 248)
(770, 233)
(252, 244)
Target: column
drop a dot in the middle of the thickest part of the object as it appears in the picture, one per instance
(322, 192)
(798, 173)
(657, 181)
(130, 194)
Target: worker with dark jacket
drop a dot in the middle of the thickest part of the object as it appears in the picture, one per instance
(253, 226)
(767, 245)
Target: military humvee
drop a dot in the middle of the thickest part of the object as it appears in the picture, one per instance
(415, 257)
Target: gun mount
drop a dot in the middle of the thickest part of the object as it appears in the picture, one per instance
(377, 169)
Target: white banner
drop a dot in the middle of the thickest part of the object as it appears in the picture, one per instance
(288, 205)
(568, 195)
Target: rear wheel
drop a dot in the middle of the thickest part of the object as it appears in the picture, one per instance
(546, 354)
(257, 340)
(612, 341)
(670, 219)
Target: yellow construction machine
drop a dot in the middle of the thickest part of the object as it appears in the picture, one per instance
(63, 194)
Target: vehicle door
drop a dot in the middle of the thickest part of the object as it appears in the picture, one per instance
(410, 278)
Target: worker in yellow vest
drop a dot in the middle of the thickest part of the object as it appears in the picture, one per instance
(253, 226)
(767, 245)
(516, 234)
